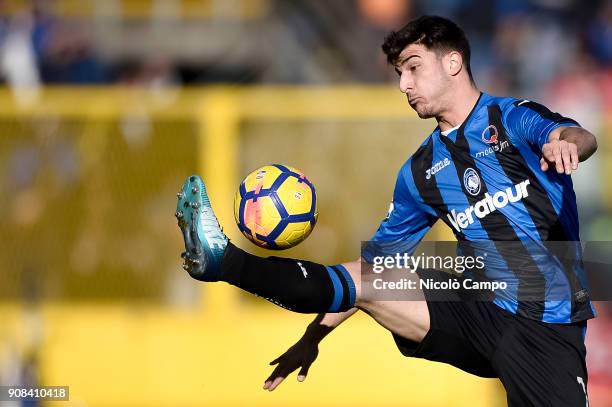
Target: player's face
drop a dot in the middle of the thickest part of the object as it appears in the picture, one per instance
(423, 80)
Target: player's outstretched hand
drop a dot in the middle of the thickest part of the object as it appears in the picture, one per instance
(300, 355)
(561, 155)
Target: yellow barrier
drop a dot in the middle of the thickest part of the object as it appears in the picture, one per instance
(147, 9)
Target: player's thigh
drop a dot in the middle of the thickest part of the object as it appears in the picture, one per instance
(409, 319)
(542, 366)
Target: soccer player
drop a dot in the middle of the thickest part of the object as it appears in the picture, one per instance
(494, 169)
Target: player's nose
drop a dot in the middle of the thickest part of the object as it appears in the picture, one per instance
(405, 84)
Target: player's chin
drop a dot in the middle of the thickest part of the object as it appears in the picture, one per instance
(423, 113)
(421, 110)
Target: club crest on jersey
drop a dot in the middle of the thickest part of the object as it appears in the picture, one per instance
(436, 168)
(471, 180)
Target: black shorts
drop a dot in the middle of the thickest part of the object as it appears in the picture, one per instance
(539, 364)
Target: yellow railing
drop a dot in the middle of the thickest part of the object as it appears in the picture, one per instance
(147, 9)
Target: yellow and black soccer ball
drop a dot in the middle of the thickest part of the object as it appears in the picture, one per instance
(276, 207)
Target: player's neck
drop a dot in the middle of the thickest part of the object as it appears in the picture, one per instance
(463, 103)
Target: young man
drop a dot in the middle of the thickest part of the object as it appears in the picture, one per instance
(487, 145)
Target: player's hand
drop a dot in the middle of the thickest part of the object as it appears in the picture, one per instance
(561, 155)
(301, 355)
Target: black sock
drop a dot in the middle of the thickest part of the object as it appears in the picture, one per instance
(298, 285)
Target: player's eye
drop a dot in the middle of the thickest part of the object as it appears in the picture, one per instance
(414, 68)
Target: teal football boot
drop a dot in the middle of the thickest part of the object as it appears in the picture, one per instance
(205, 241)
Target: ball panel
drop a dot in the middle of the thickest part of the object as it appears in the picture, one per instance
(260, 215)
(279, 204)
(296, 196)
(293, 234)
(261, 178)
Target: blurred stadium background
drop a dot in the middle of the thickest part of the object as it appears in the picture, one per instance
(107, 105)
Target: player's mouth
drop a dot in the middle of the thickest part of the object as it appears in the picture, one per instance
(412, 101)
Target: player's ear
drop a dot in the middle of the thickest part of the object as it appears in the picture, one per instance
(453, 63)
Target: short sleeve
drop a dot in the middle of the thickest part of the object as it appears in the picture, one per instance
(532, 122)
(405, 225)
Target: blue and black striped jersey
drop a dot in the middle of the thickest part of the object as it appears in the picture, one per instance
(485, 182)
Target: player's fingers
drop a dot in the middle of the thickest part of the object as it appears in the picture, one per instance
(558, 159)
(548, 152)
(543, 164)
(270, 380)
(275, 373)
(275, 361)
(303, 373)
(565, 156)
(275, 383)
(574, 155)
(282, 370)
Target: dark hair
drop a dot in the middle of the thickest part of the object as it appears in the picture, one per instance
(435, 33)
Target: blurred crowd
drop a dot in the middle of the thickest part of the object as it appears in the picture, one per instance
(536, 48)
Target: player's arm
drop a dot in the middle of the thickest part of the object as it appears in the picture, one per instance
(566, 147)
(560, 140)
(304, 352)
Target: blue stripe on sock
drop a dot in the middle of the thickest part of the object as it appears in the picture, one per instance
(351, 284)
(337, 290)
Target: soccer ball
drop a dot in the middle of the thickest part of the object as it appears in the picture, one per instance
(276, 207)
